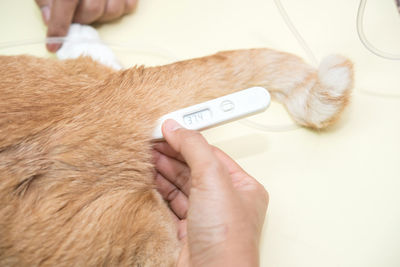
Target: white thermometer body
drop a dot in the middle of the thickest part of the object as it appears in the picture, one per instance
(219, 110)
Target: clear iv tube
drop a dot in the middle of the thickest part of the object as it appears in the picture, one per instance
(311, 57)
(296, 34)
(363, 38)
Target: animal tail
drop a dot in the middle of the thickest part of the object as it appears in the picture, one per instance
(323, 97)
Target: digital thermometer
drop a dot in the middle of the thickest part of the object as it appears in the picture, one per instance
(219, 110)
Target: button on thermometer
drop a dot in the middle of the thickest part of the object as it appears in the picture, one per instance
(219, 110)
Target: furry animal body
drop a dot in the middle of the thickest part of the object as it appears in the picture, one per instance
(76, 179)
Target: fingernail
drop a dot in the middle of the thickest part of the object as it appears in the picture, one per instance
(46, 14)
(53, 47)
(171, 125)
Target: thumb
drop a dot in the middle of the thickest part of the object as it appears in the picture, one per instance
(206, 169)
(190, 144)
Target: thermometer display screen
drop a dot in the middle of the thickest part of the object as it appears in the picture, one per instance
(198, 117)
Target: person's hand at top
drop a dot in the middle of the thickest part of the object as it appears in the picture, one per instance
(59, 14)
(219, 208)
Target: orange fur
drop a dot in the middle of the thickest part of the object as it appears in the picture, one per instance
(76, 182)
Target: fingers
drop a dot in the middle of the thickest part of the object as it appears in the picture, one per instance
(174, 171)
(206, 170)
(225, 159)
(166, 149)
(89, 11)
(173, 183)
(59, 14)
(190, 144)
(45, 6)
(62, 12)
(113, 10)
(130, 6)
(208, 163)
(42, 3)
(177, 201)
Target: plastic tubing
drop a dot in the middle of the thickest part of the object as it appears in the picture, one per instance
(363, 38)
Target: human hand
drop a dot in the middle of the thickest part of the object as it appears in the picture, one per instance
(218, 207)
(59, 14)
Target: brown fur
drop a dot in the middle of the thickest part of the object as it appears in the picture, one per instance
(76, 182)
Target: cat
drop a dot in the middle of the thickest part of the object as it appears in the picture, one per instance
(76, 174)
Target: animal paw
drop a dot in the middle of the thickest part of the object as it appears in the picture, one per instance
(83, 40)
